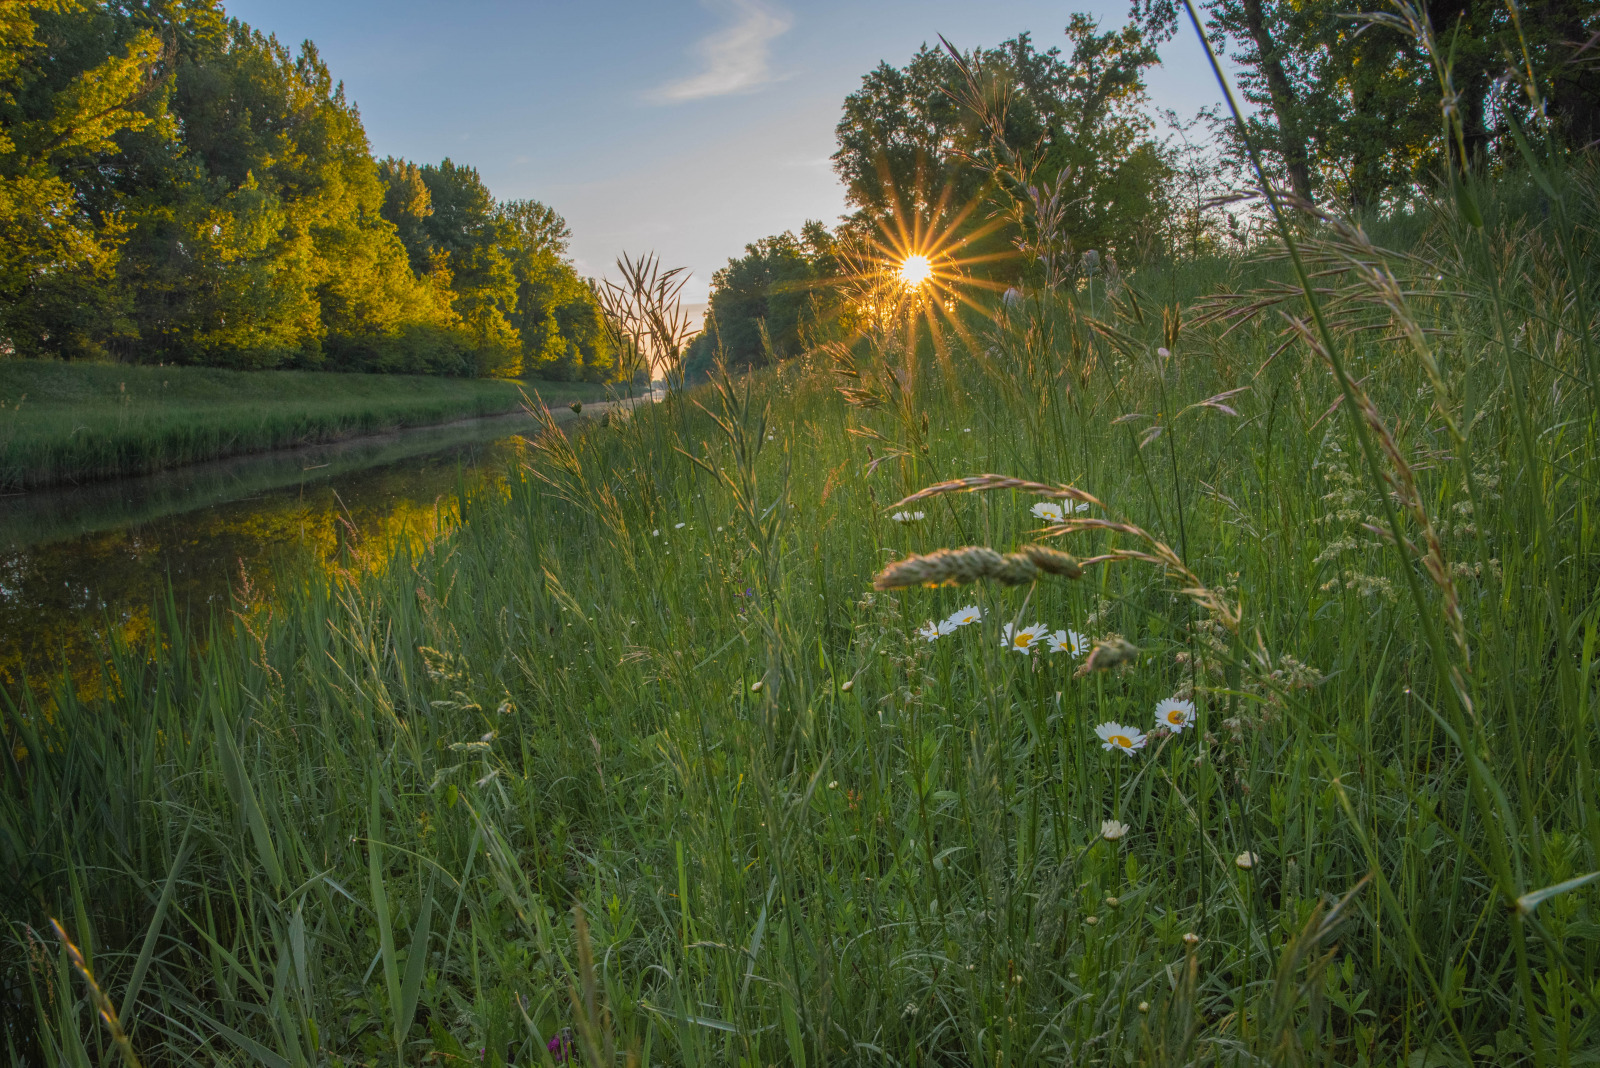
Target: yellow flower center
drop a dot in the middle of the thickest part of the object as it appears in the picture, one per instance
(1122, 740)
(1175, 716)
(1022, 639)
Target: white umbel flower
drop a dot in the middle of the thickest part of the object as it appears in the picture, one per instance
(1115, 735)
(909, 517)
(1175, 715)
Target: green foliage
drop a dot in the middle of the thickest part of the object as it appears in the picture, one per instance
(906, 142)
(1348, 105)
(176, 187)
(763, 303)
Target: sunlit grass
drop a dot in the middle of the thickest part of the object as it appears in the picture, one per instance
(1226, 823)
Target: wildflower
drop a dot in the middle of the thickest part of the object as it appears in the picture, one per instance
(911, 1008)
(961, 617)
(1112, 902)
(1114, 735)
(677, 526)
(560, 1047)
(1144, 1006)
(755, 687)
(1091, 920)
(1111, 830)
(931, 631)
(1175, 715)
(1067, 641)
(834, 785)
(1191, 939)
(847, 685)
(1056, 511)
(1025, 639)
(1246, 860)
(909, 517)
(655, 533)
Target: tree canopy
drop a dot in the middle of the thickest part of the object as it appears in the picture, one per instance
(175, 186)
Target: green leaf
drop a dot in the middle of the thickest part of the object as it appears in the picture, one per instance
(416, 965)
(254, 1049)
(1533, 899)
(147, 951)
(380, 908)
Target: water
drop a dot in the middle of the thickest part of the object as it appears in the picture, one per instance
(81, 564)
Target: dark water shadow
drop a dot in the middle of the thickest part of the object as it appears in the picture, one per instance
(79, 566)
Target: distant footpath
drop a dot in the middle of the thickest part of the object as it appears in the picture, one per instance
(81, 422)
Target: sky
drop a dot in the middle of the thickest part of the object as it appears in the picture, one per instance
(684, 128)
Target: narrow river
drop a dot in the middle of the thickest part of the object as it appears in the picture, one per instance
(83, 564)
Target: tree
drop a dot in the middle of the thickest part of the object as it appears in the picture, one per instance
(906, 144)
(57, 252)
(763, 303)
(1348, 103)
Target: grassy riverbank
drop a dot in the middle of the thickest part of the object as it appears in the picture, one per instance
(78, 422)
(652, 678)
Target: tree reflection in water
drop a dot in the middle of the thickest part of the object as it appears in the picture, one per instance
(62, 598)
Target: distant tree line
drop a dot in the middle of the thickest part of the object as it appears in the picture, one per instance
(1346, 107)
(177, 187)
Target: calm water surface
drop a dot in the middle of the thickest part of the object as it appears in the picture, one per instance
(78, 565)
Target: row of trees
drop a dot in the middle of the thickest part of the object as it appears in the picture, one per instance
(175, 186)
(1347, 107)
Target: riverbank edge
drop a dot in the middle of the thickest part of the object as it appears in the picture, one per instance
(141, 450)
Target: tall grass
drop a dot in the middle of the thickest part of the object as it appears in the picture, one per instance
(634, 764)
(78, 422)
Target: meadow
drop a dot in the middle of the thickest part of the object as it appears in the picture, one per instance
(686, 745)
(69, 422)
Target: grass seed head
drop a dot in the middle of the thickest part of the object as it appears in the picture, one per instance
(972, 563)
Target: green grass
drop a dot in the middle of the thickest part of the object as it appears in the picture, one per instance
(76, 422)
(650, 677)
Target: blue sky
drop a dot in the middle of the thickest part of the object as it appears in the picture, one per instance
(685, 128)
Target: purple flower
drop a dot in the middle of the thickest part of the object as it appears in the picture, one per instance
(560, 1047)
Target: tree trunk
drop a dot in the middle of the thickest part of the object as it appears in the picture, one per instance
(1291, 141)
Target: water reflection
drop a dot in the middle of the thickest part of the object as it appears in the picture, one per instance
(79, 565)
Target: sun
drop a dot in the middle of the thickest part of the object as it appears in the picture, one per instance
(915, 270)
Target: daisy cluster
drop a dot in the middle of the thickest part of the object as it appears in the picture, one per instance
(954, 621)
(1172, 715)
(1024, 639)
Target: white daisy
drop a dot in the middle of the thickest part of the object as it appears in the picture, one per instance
(1116, 736)
(1067, 641)
(1056, 511)
(1111, 830)
(1025, 639)
(1175, 715)
(931, 630)
(677, 526)
(908, 517)
(961, 617)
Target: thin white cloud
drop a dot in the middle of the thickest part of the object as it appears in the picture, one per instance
(736, 58)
